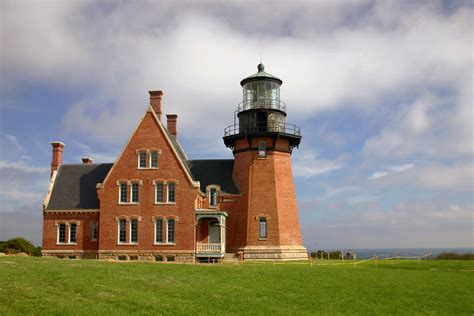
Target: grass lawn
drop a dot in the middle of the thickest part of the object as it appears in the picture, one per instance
(55, 286)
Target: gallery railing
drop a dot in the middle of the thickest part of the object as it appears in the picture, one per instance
(286, 128)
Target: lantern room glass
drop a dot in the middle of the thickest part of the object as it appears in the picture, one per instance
(261, 94)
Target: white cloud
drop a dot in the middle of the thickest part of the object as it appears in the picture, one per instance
(309, 164)
(22, 167)
(391, 170)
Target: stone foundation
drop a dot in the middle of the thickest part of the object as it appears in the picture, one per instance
(280, 253)
(181, 257)
(70, 254)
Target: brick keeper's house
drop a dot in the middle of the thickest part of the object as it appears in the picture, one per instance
(153, 203)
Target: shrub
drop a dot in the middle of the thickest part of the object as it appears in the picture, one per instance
(19, 244)
(455, 256)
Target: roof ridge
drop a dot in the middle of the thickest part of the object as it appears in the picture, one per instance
(218, 159)
(87, 164)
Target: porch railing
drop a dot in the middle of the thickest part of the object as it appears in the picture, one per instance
(208, 247)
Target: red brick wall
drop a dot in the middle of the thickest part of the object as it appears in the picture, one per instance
(83, 230)
(147, 136)
(268, 191)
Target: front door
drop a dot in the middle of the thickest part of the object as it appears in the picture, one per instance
(214, 232)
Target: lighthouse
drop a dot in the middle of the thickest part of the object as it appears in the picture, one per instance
(262, 143)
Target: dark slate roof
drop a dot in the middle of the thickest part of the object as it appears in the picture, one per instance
(75, 186)
(214, 171)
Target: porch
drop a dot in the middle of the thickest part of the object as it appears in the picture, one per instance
(210, 233)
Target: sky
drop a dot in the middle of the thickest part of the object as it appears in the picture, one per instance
(382, 91)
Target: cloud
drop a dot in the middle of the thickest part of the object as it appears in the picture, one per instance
(309, 164)
(198, 54)
(22, 167)
(391, 170)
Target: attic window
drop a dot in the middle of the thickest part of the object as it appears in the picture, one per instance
(142, 159)
(154, 159)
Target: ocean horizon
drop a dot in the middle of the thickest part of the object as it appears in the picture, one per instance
(364, 253)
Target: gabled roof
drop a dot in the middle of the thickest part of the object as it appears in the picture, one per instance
(214, 171)
(75, 186)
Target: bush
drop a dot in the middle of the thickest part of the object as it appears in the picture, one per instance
(19, 244)
(455, 256)
(332, 254)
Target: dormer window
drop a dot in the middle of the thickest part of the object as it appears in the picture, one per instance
(213, 197)
(142, 159)
(262, 149)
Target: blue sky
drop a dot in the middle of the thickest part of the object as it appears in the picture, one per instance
(381, 89)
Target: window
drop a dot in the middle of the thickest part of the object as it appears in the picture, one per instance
(159, 258)
(72, 233)
(213, 197)
(62, 233)
(262, 228)
(122, 231)
(134, 231)
(262, 149)
(160, 196)
(159, 231)
(154, 159)
(142, 159)
(171, 192)
(123, 193)
(94, 231)
(134, 193)
(170, 230)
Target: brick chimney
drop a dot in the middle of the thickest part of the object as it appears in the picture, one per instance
(86, 160)
(156, 98)
(171, 124)
(57, 158)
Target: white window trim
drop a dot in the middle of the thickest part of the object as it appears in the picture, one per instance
(167, 230)
(130, 242)
(69, 234)
(120, 193)
(162, 230)
(168, 193)
(131, 193)
(57, 235)
(165, 192)
(157, 160)
(118, 232)
(146, 158)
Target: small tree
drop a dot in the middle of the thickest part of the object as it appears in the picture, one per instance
(19, 244)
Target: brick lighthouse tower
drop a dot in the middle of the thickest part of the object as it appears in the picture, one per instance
(262, 143)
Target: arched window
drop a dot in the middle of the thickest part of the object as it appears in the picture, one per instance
(123, 192)
(171, 192)
(160, 192)
(142, 159)
(134, 231)
(170, 230)
(159, 236)
(122, 227)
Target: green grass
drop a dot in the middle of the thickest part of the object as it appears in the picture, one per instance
(54, 286)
